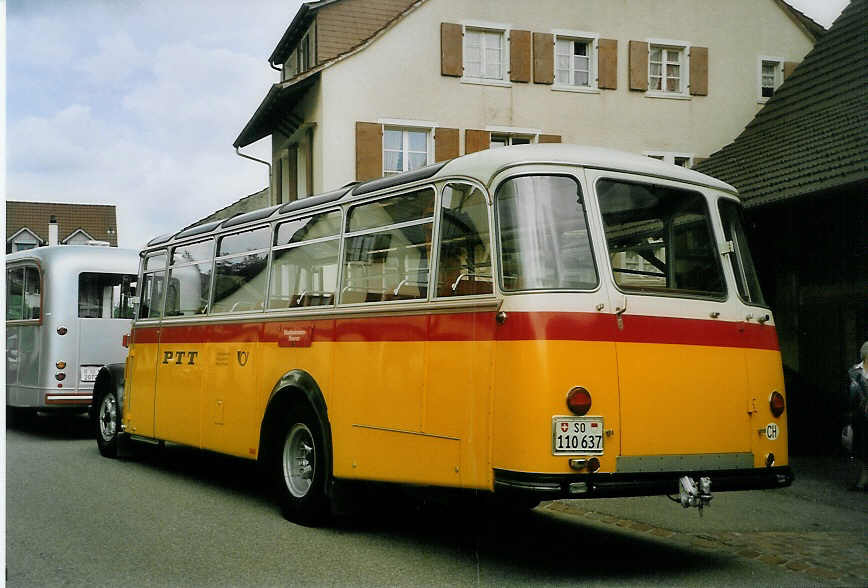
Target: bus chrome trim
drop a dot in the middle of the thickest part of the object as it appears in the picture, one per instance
(417, 433)
(68, 399)
(687, 462)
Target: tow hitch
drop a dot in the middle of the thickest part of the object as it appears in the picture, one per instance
(695, 494)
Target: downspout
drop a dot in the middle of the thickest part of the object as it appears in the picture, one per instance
(238, 152)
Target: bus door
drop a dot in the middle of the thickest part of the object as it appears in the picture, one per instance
(681, 371)
(142, 359)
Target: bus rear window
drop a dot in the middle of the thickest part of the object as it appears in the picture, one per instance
(660, 239)
(105, 295)
(544, 242)
(23, 294)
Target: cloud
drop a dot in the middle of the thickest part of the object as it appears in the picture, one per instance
(117, 58)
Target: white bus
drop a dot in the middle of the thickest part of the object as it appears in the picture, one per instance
(67, 310)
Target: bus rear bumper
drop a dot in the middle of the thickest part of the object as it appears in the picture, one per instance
(601, 485)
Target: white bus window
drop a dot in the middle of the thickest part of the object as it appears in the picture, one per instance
(15, 294)
(189, 285)
(327, 224)
(389, 263)
(304, 275)
(544, 242)
(742, 264)
(155, 261)
(660, 239)
(32, 294)
(464, 266)
(105, 295)
(151, 305)
(240, 281)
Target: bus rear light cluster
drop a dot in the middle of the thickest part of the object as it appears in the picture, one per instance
(777, 403)
(60, 365)
(62, 331)
(579, 401)
(60, 376)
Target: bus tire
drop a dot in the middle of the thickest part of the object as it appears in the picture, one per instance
(107, 423)
(300, 468)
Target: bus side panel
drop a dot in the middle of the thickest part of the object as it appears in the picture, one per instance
(765, 375)
(232, 381)
(532, 379)
(141, 382)
(458, 395)
(682, 399)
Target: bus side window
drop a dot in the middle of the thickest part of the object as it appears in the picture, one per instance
(241, 265)
(32, 293)
(189, 285)
(464, 266)
(15, 294)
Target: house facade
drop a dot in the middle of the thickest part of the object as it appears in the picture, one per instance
(375, 87)
(36, 224)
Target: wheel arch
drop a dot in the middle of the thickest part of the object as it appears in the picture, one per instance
(110, 377)
(293, 386)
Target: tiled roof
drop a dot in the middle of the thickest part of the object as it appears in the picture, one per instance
(255, 201)
(812, 135)
(94, 219)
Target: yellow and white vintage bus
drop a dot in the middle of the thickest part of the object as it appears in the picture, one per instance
(537, 321)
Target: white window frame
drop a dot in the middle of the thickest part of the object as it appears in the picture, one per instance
(592, 40)
(487, 27)
(21, 238)
(779, 76)
(393, 124)
(684, 48)
(76, 233)
(510, 132)
(670, 156)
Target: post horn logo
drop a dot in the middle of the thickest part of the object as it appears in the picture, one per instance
(243, 356)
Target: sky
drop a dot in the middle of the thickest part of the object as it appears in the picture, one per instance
(137, 103)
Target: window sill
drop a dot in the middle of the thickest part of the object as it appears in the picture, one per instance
(576, 89)
(667, 95)
(486, 82)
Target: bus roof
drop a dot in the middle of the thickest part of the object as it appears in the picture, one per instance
(80, 258)
(483, 165)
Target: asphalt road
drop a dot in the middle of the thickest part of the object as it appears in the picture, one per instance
(181, 517)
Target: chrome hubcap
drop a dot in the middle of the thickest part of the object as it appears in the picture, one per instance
(299, 460)
(108, 423)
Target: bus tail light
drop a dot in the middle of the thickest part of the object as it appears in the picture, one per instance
(60, 365)
(60, 376)
(579, 401)
(777, 404)
(62, 331)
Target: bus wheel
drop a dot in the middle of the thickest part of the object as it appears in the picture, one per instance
(301, 475)
(108, 424)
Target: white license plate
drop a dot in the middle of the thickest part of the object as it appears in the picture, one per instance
(577, 435)
(89, 373)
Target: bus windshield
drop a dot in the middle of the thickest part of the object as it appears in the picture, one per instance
(544, 242)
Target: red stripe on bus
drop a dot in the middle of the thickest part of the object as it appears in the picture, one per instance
(481, 326)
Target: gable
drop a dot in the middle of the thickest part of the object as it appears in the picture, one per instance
(97, 220)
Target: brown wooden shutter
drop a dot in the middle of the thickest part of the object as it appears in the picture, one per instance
(309, 161)
(475, 140)
(292, 164)
(549, 138)
(789, 66)
(451, 57)
(638, 65)
(543, 58)
(446, 144)
(699, 71)
(607, 64)
(369, 151)
(519, 56)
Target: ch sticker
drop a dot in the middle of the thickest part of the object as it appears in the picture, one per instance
(772, 431)
(243, 356)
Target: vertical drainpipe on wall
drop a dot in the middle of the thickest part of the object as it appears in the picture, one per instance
(52, 231)
(238, 152)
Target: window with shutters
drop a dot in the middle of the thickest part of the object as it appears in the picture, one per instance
(667, 68)
(485, 55)
(575, 61)
(405, 149)
(771, 75)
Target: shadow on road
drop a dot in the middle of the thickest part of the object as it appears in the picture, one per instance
(54, 426)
